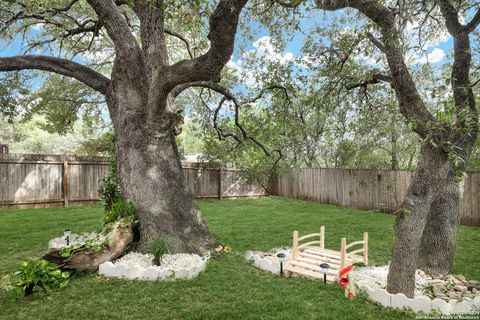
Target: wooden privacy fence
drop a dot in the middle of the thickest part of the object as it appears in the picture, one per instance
(366, 189)
(47, 181)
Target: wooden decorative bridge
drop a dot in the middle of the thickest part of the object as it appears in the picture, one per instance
(308, 256)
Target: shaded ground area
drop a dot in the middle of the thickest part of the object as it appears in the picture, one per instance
(230, 288)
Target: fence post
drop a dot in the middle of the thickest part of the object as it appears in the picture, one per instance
(220, 183)
(65, 183)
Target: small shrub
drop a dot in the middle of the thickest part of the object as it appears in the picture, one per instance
(35, 275)
(109, 191)
(159, 248)
(120, 209)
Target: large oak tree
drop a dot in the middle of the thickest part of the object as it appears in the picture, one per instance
(138, 95)
(427, 220)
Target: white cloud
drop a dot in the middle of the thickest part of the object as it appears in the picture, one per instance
(435, 56)
(264, 49)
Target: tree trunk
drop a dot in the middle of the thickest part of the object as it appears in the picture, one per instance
(434, 170)
(151, 177)
(439, 236)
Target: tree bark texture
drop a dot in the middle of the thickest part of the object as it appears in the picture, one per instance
(434, 174)
(437, 246)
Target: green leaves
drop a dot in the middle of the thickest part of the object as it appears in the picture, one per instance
(36, 275)
(159, 247)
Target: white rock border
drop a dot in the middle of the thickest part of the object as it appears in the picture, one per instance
(421, 303)
(268, 261)
(151, 273)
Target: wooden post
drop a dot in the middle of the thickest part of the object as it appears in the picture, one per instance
(322, 237)
(365, 249)
(343, 253)
(220, 183)
(65, 183)
(295, 245)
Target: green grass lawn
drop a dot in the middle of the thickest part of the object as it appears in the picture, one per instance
(230, 288)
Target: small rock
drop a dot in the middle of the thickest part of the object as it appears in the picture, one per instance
(437, 281)
(460, 277)
(475, 291)
(453, 295)
(460, 288)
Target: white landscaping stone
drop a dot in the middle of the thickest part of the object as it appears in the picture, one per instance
(265, 265)
(106, 269)
(399, 300)
(165, 274)
(134, 273)
(257, 260)
(460, 307)
(57, 243)
(136, 265)
(181, 274)
(420, 304)
(382, 297)
(203, 265)
(476, 303)
(442, 305)
(121, 271)
(151, 273)
(249, 256)
(193, 272)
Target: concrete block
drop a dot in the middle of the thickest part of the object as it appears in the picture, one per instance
(265, 265)
(203, 265)
(249, 256)
(460, 307)
(382, 297)
(133, 273)
(476, 303)
(106, 269)
(193, 272)
(150, 274)
(121, 271)
(181, 274)
(369, 292)
(470, 304)
(276, 267)
(442, 306)
(165, 274)
(420, 304)
(256, 260)
(57, 243)
(399, 301)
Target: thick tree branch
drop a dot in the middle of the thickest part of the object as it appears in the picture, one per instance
(151, 15)
(64, 67)
(473, 24)
(207, 67)
(372, 79)
(465, 105)
(116, 25)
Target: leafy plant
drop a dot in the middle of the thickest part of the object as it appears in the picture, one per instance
(35, 275)
(109, 191)
(92, 244)
(159, 248)
(120, 209)
(428, 291)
